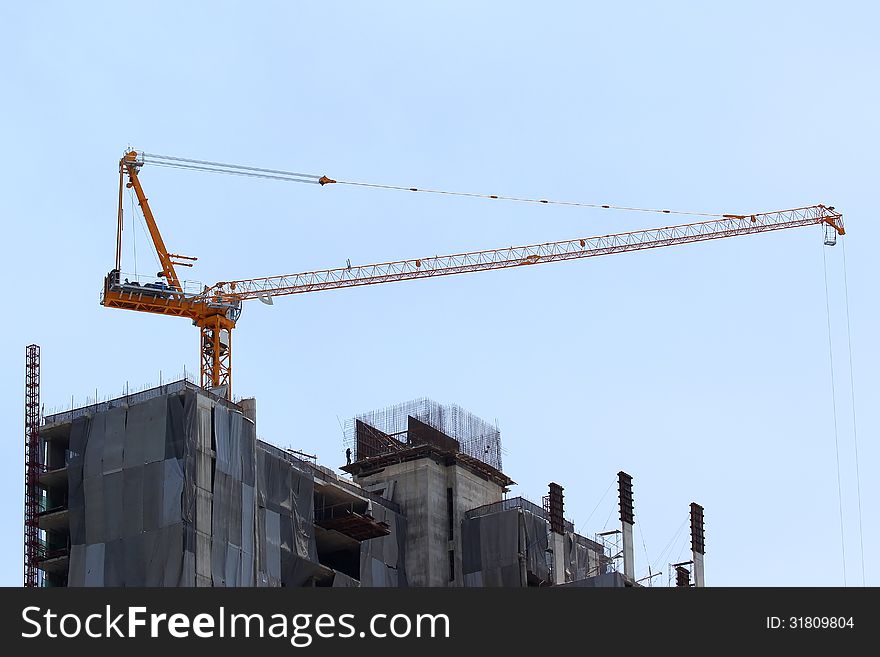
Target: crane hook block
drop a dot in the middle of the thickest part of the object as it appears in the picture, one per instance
(323, 180)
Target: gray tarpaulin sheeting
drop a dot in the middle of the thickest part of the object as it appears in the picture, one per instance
(605, 580)
(114, 431)
(287, 554)
(76, 570)
(341, 580)
(234, 517)
(537, 543)
(579, 562)
(94, 570)
(490, 550)
(270, 547)
(491, 546)
(383, 559)
(133, 501)
(79, 432)
(125, 489)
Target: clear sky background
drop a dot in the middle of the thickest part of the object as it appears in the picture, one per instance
(702, 370)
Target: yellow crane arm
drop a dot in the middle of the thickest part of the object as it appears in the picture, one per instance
(130, 164)
(401, 270)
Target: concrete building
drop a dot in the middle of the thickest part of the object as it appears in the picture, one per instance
(171, 487)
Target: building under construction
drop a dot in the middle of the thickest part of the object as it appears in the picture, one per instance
(171, 487)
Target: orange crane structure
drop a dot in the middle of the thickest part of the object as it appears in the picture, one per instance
(217, 308)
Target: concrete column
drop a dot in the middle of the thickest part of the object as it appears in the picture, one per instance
(629, 563)
(249, 408)
(557, 532)
(558, 557)
(699, 580)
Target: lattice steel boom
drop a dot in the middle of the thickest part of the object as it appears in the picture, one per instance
(402, 270)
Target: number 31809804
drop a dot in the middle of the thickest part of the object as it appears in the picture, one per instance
(820, 622)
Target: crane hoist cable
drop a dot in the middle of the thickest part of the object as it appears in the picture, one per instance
(852, 389)
(834, 415)
(291, 176)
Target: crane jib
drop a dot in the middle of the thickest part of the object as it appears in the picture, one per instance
(216, 309)
(352, 276)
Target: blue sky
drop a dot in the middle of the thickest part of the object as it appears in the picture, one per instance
(702, 370)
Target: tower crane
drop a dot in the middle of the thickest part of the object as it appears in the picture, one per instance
(216, 309)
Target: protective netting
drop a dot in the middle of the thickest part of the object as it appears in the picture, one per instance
(508, 546)
(490, 551)
(585, 558)
(174, 491)
(287, 554)
(125, 489)
(493, 544)
(382, 559)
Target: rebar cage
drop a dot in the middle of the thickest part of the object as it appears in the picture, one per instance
(476, 437)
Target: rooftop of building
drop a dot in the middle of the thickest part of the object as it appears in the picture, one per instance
(423, 428)
(419, 421)
(129, 399)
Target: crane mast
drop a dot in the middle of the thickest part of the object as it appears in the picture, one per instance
(215, 320)
(216, 309)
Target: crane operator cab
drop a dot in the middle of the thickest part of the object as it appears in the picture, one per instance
(112, 283)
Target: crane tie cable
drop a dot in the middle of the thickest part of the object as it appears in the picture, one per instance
(519, 199)
(290, 176)
(234, 169)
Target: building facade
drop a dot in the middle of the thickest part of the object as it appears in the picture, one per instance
(171, 487)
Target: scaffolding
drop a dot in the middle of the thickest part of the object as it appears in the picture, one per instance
(388, 429)
(33, 467)
(612, 548)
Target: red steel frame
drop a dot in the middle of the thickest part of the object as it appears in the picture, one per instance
(33, 466)
(401, 270)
